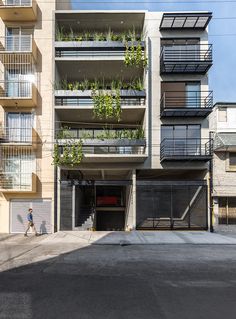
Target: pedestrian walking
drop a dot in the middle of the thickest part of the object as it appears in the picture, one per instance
(30, 223)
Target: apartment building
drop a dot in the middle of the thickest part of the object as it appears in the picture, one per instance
(223, 124)
(26, 116)
(120, 120)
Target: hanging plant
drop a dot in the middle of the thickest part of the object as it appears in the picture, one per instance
(71, 155)
(135, 56)
(56, 155)
(107, 105)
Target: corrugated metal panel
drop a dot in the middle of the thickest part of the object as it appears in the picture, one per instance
(41, 211)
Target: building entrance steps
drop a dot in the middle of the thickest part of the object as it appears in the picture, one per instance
(141, 238)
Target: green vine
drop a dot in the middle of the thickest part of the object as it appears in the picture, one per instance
(107, 105)
(72, 154)
(135, 56)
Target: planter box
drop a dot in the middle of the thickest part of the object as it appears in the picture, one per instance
(88, 93)
(106, 142)
(94, 44)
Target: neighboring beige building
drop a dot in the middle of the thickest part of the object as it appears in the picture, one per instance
(129, 96)
(26, 113)
(223, 123)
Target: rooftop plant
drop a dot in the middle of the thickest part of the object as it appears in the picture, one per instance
(63, 34)
(135, 84)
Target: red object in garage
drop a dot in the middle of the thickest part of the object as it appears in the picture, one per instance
(107, 200)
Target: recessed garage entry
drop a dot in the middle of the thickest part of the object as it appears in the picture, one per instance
(42, 212)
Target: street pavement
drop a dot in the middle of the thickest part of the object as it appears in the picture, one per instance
(169, 275)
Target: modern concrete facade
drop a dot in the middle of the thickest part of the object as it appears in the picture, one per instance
(223, 124)
(129, 96)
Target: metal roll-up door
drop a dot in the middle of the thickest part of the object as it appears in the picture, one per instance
(42, 212)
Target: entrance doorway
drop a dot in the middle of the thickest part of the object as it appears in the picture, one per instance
(110, 208)
(84, 209)
(99, 207)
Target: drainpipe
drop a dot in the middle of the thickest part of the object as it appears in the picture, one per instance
(211, 183)
(55, 199)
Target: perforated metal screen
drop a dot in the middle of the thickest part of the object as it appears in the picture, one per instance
(171, 207)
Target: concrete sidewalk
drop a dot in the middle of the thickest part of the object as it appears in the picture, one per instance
(141, 238)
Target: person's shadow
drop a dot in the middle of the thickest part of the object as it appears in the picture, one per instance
(43, 229)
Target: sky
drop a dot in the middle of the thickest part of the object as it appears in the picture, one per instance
(222, 34)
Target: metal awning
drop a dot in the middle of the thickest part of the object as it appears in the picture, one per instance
(225, 141)
(179, 21)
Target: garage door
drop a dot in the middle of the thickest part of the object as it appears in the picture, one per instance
(41, 211)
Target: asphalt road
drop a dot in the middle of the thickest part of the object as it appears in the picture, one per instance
(130, 282)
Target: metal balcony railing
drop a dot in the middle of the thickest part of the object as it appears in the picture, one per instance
(16, 43)
(93, 53)
(186, 148)
(119, 150)
(16, 135)
(16, 89)
(64, 101)
(125, 149)
(16, 181)
(96, 141)
(16, 3)
(182, 103)
(91, 134)
(186, 58)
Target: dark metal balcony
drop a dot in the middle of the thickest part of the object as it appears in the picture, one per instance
(184, 149)
(180, 59)
(178, 104)
(185, 21)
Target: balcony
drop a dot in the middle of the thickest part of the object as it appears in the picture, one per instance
(18, 182)
(186, 104)
(182, 59)
(18, 10)
(78, 105)
(18, 136)
(18, 93)
(179, 21)
(92, 50)
(99, 145)
(23, 46)
(182, 149)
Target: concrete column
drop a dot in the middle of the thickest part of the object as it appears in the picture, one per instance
(73, 207)
(58, 199)
(216, 212)
(209, 202)
(134, 198)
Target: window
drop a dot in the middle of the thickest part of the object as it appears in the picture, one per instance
(183, 48)
(232, 160)
(193, 94)
(227, 210)
(222, 114)
(18, 39)
(19, 127)
(181, 139)
(18, 168)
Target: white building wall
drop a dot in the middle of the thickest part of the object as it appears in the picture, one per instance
(224, 176)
